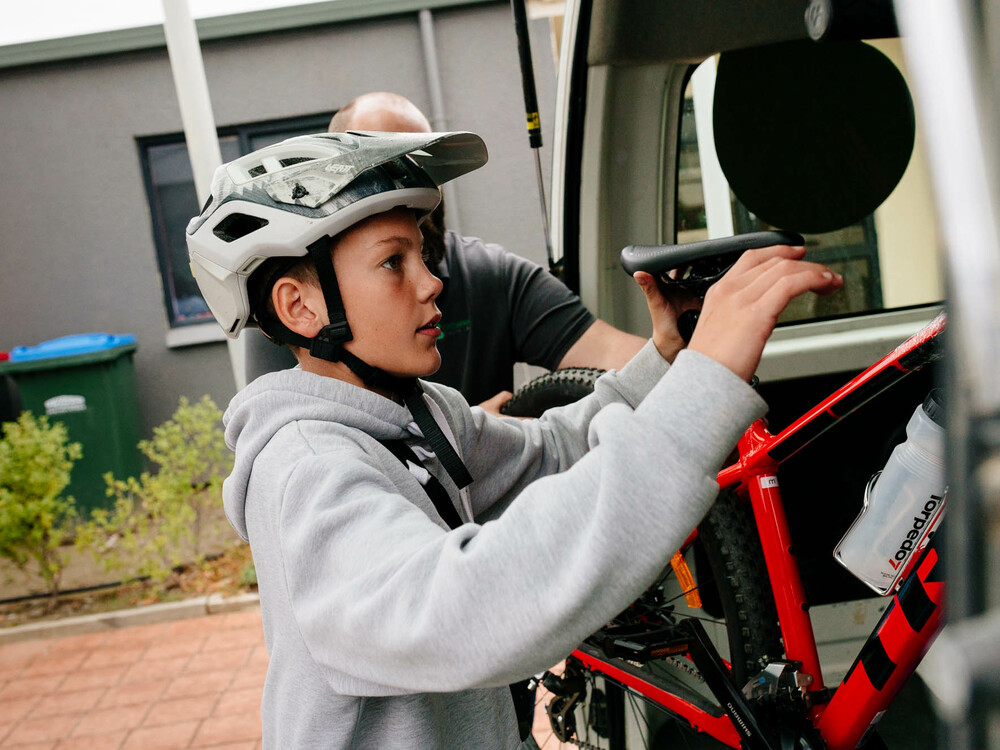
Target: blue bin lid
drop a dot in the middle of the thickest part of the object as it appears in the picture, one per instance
(83, 343)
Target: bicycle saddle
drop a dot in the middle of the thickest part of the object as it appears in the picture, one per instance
(699, 264)
(695, 266)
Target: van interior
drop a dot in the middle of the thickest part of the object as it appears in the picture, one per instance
(693, 119)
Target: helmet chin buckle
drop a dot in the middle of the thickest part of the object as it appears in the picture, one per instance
(329, 342)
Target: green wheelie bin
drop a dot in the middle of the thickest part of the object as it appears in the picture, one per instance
(87, 382)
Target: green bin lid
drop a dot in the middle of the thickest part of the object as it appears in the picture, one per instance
(74, 350)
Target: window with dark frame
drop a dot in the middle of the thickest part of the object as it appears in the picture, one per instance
(173, 200)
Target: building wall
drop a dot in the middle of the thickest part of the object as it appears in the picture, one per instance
(77, 250)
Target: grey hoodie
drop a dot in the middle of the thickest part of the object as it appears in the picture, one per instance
(386, 629)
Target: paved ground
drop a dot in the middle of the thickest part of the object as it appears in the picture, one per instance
(196, 683)
(190, 683)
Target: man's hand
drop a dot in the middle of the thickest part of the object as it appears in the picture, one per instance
(493, 405)
(665, 306)
(742, 308)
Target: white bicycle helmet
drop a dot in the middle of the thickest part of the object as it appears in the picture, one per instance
(282, 199)
(289, 200)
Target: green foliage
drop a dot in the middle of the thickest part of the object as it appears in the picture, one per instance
(248, 576)
(159, 517)
(35, 465)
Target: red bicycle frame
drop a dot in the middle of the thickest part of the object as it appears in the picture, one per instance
(908, 625)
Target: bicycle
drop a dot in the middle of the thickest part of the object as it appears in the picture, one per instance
(719, 651)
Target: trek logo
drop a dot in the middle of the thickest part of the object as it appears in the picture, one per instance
(913, 535)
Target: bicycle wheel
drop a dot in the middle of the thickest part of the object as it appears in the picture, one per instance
(556, 388)
(728, 592)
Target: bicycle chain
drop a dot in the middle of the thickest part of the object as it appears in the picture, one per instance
(684, 666)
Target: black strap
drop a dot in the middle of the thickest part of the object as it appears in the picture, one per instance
(434, 489)
(322, 257)
(329, 343)
(414, 398)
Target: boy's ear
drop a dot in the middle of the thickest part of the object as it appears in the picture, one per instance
(299, 305)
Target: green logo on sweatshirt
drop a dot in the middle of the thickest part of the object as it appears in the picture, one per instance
(458, 325)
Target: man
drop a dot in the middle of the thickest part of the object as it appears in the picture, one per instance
(498, 308)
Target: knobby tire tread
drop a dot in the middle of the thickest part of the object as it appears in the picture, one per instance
(556, 388)
(733, 548)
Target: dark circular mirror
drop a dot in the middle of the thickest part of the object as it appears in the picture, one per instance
(812, 136)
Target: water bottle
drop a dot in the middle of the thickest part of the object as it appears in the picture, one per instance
(903, 504)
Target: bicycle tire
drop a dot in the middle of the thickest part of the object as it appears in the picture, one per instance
(729, 571)
(556, 388)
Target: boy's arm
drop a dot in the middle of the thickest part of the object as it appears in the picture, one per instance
(505, 455)
(738, 314)
(389, 602)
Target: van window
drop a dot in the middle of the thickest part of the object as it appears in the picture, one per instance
(889, 259)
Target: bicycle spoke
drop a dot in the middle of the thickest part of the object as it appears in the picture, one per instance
(639, 713)
(702, 618)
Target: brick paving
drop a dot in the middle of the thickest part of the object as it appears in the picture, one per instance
(192, 683)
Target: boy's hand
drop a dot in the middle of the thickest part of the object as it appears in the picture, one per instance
(665, 306)
(742, 308)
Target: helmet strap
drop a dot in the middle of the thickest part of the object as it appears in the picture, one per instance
(329, 343)
(280, 333)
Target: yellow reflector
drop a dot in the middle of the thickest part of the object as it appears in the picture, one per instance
(686, 580)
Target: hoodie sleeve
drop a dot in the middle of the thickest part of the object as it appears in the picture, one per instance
(505, 455)
(388, 602)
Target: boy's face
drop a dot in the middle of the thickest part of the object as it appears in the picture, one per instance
(389, 294)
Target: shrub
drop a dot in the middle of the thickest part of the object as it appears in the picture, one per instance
(35, 464)
(248, 576)
(159, 515)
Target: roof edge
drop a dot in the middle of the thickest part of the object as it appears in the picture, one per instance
(217, 27)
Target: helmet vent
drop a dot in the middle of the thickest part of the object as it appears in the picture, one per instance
(235, 226)
(264, 167)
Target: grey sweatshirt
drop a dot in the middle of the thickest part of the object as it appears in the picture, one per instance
(386, 629)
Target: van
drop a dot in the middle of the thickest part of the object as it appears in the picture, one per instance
(694, 119)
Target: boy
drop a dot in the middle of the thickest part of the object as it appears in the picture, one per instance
(498, 308)
(394, 529)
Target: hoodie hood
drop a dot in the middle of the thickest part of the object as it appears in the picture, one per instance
(278, 399)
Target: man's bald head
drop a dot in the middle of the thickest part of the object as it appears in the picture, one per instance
(380, 111)
(383, 111)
